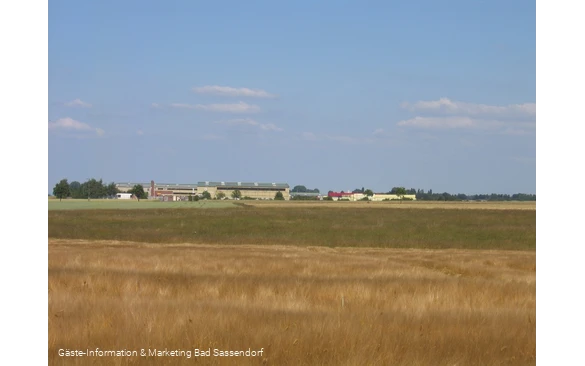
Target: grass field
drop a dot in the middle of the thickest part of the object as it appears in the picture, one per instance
(71, 204)
(94, 204)
(311, 283)
(302, 305)
(318, 226)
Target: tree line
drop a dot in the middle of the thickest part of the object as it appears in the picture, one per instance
(432, 196)
(92, 188)
(429, 195)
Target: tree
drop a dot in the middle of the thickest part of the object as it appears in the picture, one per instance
(61, 189)
(220, 195)
(368, 192)
(75, 189)
(236, 194)
(111, 190)
(299, 189)
(400, 192)
(138, 191)
(278, 196)
(206, 195)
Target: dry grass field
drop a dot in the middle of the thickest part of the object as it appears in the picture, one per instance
(445, 205)
(303, 305)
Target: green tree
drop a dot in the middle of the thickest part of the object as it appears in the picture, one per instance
(138, 191)
(278, 196)
(400, 192)
(61, 189)
(236, 194)
(206, 195)
(93, 189)
(111, 190)
(75, 189)
(299, 189)
(220, 195)
(368, 192)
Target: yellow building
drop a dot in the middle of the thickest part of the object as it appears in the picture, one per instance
(251, 190)
(390, 197)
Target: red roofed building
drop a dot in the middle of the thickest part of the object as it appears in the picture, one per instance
(338, 195)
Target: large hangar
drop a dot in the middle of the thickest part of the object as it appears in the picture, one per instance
(252, 190)
(171, 191)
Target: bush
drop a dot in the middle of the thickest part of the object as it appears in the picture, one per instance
(327, 198)
(278, 196)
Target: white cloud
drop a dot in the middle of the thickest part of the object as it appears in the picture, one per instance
(449, 122)
(240, 107)
(309, 136)
(250, 122)
(233, 92)
(71, 124)
(182, 105)
(78, 103)
(155, 105)
(513, 119)
(445, 105)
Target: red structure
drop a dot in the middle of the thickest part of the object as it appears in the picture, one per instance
(340, 194)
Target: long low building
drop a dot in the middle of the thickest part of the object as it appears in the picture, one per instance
(350, 196)
(178, 192)
(167, 191)
(247, 190)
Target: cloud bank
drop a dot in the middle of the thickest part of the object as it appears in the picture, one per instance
(78, 103)
(240, 107)
(73, 125)
(250, 122)
(513, 119)
(228, 91)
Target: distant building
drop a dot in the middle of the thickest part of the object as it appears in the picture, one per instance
(181, 191)
(252, 190)
(162, 191)
(376, 197)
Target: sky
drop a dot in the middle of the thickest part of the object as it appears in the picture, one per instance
(334, 95)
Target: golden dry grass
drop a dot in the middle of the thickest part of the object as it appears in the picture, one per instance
(455, 205)
(400, 306)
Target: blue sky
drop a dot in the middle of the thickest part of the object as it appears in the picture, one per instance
(334, 95)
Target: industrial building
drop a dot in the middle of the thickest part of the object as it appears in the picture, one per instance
(179, 192)
(250, 190)
(162, 191)
(350, 196)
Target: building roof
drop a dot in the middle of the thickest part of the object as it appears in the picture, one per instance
(176, 185)
(165, 185)
(340, 194)
(305, 194)
(132, 184)
(242, 185)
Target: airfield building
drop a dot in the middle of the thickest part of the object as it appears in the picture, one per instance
(179, 192)
(252, 190)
